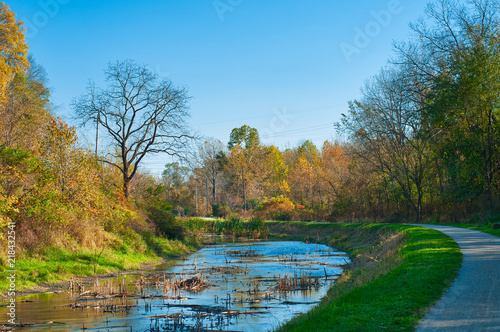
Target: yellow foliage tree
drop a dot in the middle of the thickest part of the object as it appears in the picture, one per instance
(13, 48)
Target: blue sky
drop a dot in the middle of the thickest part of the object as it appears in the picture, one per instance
(287, 68)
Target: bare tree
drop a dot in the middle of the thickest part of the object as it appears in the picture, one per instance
(211, 154)
(140, 114)
(447, 28)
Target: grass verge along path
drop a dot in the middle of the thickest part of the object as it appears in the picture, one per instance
(481, 228)
(398, 271)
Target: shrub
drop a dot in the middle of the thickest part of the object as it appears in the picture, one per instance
(166, 224)
(257, 229)
(234, 226)
(279, 208)
(220, 210)
(195, 224)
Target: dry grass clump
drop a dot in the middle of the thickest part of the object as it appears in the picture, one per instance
(296, 282)
(194, 284)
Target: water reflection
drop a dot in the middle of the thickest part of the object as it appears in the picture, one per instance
(230, 287)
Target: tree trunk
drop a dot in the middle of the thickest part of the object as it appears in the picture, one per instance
(244, 192)
(213, 190)
(207, 197)
(126, 186)
(97, 135)
(196, 198)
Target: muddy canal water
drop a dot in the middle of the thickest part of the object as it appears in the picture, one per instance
(229, 287)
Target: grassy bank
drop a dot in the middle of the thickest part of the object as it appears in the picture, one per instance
(37, 271)
(398, 271)
(120, 250)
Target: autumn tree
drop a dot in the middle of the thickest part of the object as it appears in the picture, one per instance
(334, 170)
(243, 145)
(303, 167)
(275, 172)
(58, 150)
(25, 109)
(23, 93)
(140, 114)
(13, 48)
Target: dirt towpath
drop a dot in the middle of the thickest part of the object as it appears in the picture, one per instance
(472, 303)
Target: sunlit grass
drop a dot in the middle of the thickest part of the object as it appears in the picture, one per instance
(57, 264)
(389, 296)
(481, 228)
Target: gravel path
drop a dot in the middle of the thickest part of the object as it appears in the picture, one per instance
(472, 303)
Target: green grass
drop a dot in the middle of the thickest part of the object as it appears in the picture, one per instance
(125, 251)
(413, 272)
(57, 264)
(236, 227)
(481, 228)
(63, 264)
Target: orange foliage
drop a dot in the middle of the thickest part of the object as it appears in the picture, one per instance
(279, 203)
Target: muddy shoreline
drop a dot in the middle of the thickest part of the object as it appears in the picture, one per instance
(63, 286)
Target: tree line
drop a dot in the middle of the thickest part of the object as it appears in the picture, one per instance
(427, 124)
(423, 140)
(422, 145)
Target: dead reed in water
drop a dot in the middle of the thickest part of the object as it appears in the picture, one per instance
(296, 282)
(193, 284)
